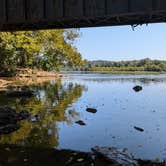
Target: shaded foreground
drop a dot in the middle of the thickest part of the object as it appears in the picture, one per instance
(18, 156)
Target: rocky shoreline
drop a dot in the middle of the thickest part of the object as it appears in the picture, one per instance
(11, 155)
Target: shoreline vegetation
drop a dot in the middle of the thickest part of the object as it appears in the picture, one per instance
(116, 72)
(27, 57)
(43, 50)
(27, 77)
(31, 73)
(143, 66)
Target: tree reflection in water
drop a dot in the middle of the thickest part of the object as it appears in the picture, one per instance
(50, 104)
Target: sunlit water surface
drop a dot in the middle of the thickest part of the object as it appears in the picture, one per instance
(60, 103)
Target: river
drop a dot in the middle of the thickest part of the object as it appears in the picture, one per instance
(61, 103)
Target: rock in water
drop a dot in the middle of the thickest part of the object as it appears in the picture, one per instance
(91, 110)
(7, 116)
(23, 115)
(20, 93)
(9, 119)
(137, 88)
(9, 128)
(138, 129)
(80, 122)
(118, 157)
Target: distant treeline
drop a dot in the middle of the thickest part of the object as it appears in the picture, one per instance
(144, 65)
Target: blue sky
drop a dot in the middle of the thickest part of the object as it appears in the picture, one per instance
(122, 43)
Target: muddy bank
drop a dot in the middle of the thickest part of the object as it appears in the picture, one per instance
(27, 77)
(4, 83)
(18, 156)
(26, 72)
(21, 82)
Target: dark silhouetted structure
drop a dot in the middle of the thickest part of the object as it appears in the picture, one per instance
(48, 14)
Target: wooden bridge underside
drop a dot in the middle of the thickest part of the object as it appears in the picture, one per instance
(50, 14)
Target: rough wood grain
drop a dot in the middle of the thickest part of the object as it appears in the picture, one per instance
(161, 4)
(73, 8)
(117, 6)
(94, 7)
(2, 11)
(16, 10)
(50, 14)
(54, 9)
(35, 9)
(141, 5)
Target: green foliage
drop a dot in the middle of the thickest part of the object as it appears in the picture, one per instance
(144, 65)
(7, 61)
(44, 49)
(51, 104)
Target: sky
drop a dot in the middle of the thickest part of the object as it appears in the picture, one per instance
(122, 43)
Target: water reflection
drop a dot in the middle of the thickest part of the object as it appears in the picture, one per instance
(142, 79)
(49, 105)
(60, 103)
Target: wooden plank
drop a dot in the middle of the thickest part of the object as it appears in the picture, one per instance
(2, 10)
(16, 10)
(94, 7)
(73, 8)
(35, 9)
(141, 5)
(54, 9)
(117, 6)
(161, 4)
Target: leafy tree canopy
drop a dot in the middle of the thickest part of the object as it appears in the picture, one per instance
(44, 49)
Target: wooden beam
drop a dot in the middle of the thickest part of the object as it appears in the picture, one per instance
(117, 6)
(94, 8)
(16, 10)
(161, 4)
(49, 14)
(73, 8)
(54, 9)
(35, 9)
(2, 10)
(141, 5)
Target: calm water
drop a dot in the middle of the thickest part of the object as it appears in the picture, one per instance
(60, 103)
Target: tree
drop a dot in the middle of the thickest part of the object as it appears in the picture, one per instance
(44, 49)
(7, 61)
(136, 65)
